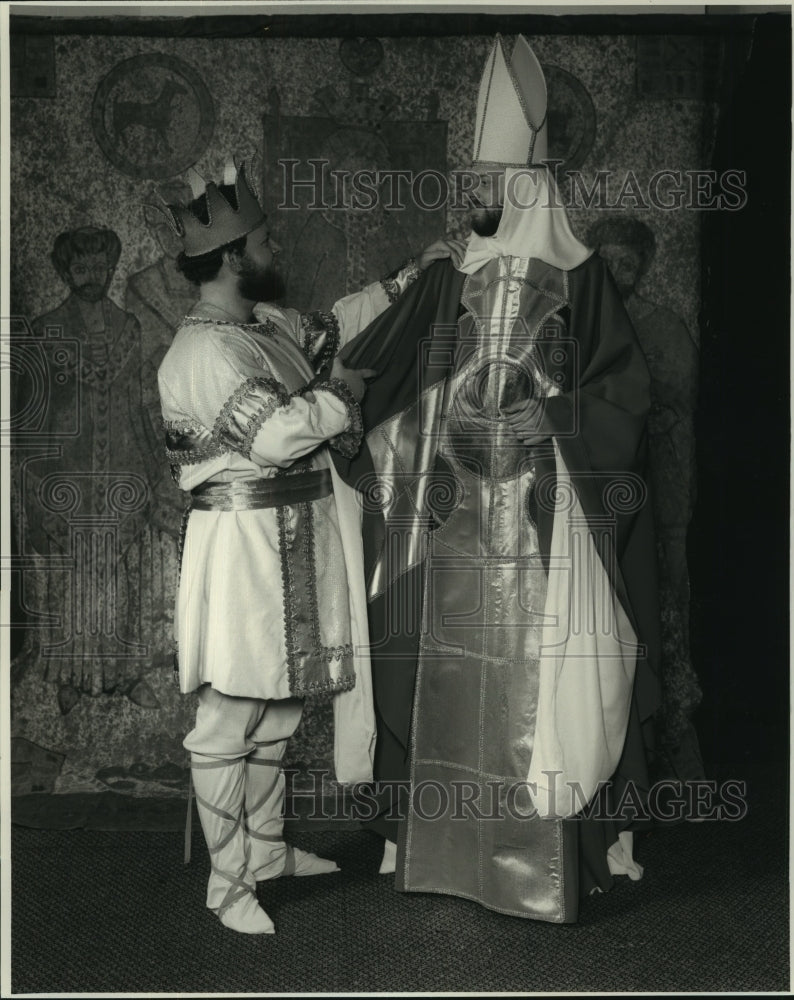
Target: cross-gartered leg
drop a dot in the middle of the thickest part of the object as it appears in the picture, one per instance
(231, 893)
(270, 856)
(219, 745)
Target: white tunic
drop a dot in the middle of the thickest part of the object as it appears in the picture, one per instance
(271, 602)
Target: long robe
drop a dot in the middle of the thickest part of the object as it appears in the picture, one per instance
(458, 539)
(87, 505)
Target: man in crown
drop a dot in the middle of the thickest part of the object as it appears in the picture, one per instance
(271, 607)
(508, 534)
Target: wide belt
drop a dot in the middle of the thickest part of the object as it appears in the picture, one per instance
(256, 494)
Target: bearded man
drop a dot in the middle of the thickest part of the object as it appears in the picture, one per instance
(511, 589)
(103, 393)
(271, 606)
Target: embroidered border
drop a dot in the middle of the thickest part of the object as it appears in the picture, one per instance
(337, 652)
(408, 273)
(500, 165)
(183, 456)
(391, 288)
(314, 325)
(395, 283)
(290, 597)
(348, 442)
(298, 683)
(481, 121)
(225, 436)
(311, 567)
(222, 431)
(183, 427)
(268, 327)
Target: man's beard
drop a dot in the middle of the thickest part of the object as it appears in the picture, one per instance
(485, 221)
(90, 291)
(260, 284)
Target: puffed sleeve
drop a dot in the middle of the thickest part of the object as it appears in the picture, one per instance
(266, 424)
(286, 430)
(227, 400)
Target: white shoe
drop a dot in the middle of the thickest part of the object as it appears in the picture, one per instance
(620, 857)
(388, 865)
(306, 863)
(296, 862)
(246, 916)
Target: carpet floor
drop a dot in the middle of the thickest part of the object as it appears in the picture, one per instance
(118, 912)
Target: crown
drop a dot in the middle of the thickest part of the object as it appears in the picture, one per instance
(225, 222)
(510, 129)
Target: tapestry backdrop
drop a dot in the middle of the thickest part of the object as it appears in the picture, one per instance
(99, 126)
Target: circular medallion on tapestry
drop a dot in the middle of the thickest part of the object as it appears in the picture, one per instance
(572, 118)
(361, 56)
(153, 116)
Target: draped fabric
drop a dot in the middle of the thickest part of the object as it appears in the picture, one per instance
(435, 463)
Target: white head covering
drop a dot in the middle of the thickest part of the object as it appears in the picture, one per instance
(510, 128)
(511, 134)
(534, 223)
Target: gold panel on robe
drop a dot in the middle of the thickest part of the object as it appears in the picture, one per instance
(471, 829)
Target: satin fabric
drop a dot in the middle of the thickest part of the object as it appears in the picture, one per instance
(597, 417)
(588, 656)
(477, 684)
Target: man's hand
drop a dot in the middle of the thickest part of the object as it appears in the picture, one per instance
(524, 421)
(352, 377)
(448, 247)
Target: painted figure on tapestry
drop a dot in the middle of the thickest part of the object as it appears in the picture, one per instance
(87, 501)
(628, 246)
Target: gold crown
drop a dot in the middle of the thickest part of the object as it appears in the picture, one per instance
(225, 222)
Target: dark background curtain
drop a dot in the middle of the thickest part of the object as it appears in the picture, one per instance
(739, 538)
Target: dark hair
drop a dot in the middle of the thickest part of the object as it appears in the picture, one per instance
(205, 267)
(87, 240)
(627, 232)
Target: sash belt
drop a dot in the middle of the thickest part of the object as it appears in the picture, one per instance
(253, 494)
(256, 494)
